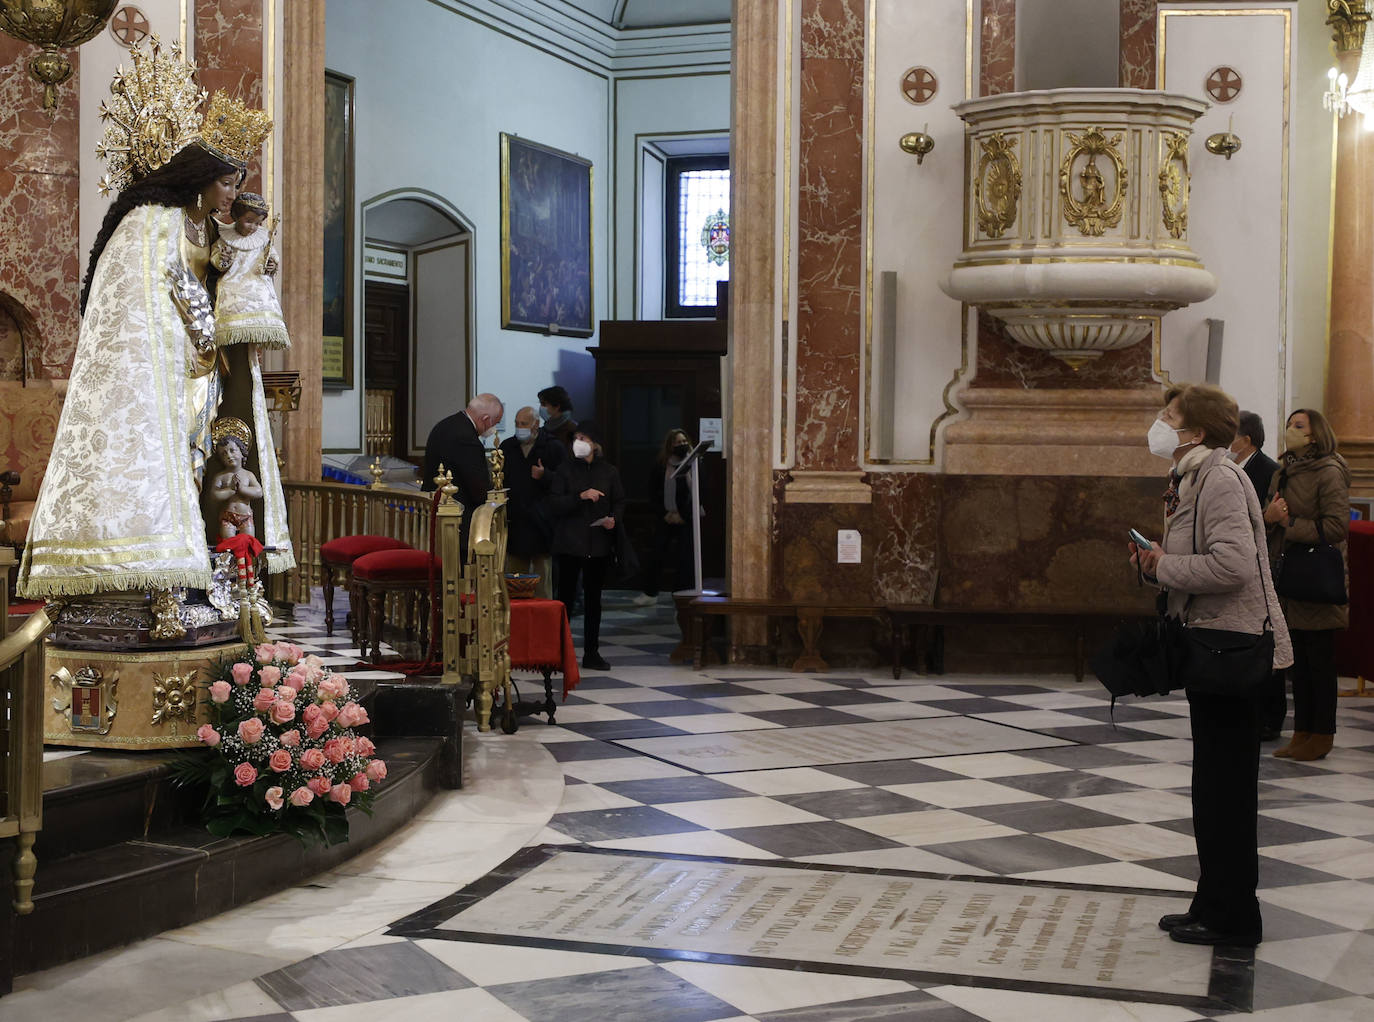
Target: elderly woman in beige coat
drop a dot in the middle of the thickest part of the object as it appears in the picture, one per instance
(1212, 565)
(1309, 503)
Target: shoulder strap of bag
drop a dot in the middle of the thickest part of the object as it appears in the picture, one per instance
(1268, 613)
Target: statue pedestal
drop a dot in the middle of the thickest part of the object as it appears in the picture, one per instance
(150, 699)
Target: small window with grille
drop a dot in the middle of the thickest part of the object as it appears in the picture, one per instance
(697, 234)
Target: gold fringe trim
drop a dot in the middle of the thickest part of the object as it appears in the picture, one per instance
(87, 585)
(266, 336)
(279, 561)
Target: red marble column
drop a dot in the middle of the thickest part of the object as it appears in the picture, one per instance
(997, 49)
(40, 267)
(830, 234)
(228, 49)
(1138, 18)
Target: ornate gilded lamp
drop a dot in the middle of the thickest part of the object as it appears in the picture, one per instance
(53, 24)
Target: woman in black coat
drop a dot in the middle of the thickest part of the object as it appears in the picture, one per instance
(586, 500)
(671, 500)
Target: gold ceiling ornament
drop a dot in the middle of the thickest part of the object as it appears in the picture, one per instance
(1092, 214)
(153, 114)
(51, 24)
(1174, 182)
(233, 131)
(997, 185)
(1348, 20)
(174, 697)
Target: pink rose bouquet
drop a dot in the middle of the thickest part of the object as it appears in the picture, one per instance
(284, 752)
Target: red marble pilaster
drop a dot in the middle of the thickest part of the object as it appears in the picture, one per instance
(830, 233)
(40, 267)
(229, 55)
(997, 47)
(1138, 19)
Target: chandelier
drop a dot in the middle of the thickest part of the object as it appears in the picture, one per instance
(51, 24)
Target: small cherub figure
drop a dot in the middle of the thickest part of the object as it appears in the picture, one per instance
(247, 310)
(234, 488)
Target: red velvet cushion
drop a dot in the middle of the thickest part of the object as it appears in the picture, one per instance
(395, 566)
(347, 549)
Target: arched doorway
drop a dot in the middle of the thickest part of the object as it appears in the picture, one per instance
(417, 319)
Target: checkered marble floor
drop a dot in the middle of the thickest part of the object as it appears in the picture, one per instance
(1110, 809)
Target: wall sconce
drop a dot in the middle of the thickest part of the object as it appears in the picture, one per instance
(1336, 98)
(917, 143)
(1224, 143)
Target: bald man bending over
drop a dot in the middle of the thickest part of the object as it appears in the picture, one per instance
(456, 443)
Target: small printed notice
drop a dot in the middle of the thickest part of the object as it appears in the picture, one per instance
(851, 546)
(710, 429)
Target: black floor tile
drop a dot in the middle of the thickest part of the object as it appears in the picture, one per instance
(634, 727)
(662, 790)
(567, 752)
(358, 975)
(818, 717)
(807, 840)
(609, 824)
(645, 994)
(910, 1006)
(852, 803)
(890, 771)
(1022, 853)
(1064, 784)
(1043, 817)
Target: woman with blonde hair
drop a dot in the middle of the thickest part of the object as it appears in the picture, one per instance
(1310, 504)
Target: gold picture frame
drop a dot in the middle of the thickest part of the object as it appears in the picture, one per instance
(337, 371)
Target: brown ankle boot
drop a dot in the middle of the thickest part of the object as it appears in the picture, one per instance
(1299, 737)
(1316, 747)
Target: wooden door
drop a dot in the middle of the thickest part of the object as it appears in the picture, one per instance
(386, 358)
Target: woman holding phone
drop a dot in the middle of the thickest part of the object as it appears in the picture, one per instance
(1212, 568)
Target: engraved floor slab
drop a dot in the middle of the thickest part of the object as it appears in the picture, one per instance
(1021, 935)
(838, 743)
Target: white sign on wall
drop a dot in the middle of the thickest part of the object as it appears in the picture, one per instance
(386, 263)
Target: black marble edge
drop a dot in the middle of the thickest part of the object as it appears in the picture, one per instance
(835, 969)
(1233, 978)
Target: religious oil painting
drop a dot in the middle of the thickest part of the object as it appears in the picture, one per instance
(546, 239)
(338, 230)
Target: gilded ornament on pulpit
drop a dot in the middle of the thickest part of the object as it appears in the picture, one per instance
(1173, 184)
(174, 697)
(86, 699)
(1090, 210)
(997, 185)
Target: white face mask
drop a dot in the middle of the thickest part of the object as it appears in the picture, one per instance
(581, 449)
(1163, 440)
(522, 432)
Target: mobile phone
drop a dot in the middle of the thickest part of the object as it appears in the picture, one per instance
(1141, 541)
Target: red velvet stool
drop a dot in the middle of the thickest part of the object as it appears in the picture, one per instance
(403, 572)
(339, 554)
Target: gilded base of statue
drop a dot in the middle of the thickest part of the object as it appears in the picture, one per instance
(151, 699)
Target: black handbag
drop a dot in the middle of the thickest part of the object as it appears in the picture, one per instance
(1137, 660)
(1312, 573)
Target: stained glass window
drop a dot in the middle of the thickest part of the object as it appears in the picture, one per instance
(698, 235)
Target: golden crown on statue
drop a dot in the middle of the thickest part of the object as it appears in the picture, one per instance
(228, 426)
(234, 131)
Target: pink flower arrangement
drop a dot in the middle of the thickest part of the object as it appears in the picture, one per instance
(286, 752)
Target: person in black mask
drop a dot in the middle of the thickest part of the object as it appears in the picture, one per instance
(555, 409)
(671, 500)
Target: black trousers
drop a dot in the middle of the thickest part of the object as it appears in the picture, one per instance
(1225, 812)
(672, 545)
(1274, 701)
(592, 571)
(1314, 681)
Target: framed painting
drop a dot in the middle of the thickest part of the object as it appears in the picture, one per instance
(338, 231)
(546, 239)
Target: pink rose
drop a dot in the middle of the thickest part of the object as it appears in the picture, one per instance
(328, 711)
(273, 796)
(311, 713)
(319, 786)
(265, 653)
(359, 782)
(245, 774)
(280, 761)
(242, 673)
(340, 793)
(286, 692)
(262, 702)
(316, 727)
(333, 688)
(349, 745)
(334, 751)
(302, 797)
(208, 735)
(269, 676)
(282, 712)
(290, 739)
(297, 678)
(376, 770)
(352, 715)
(219, 691)
(250, 730)
(312, 759)
(288, 653)
(365, 746)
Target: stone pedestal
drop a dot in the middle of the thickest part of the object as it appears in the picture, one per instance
(151, 699)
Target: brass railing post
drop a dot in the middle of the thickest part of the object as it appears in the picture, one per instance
(449, 549)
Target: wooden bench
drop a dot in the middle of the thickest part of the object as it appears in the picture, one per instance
(931, 621)
(809, 616)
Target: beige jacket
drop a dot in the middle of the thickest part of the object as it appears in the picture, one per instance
(1228, 575)
(1317, 490)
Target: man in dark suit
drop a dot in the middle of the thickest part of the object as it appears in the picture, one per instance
(1260, 469)
(456, 443)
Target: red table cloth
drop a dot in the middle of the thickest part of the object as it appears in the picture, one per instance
(540, 639)
(1355, 647)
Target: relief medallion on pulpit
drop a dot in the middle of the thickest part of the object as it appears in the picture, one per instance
(1083, 187)
(1174, 183)
(997, 185)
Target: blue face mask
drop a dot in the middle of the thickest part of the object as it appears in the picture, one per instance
(523, 432)
(544, 414)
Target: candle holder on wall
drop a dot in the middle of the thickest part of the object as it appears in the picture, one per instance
(917, 143)
(1224, 143)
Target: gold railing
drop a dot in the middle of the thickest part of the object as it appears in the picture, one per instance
(319, 512)
(21, 749)
(380, 428)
